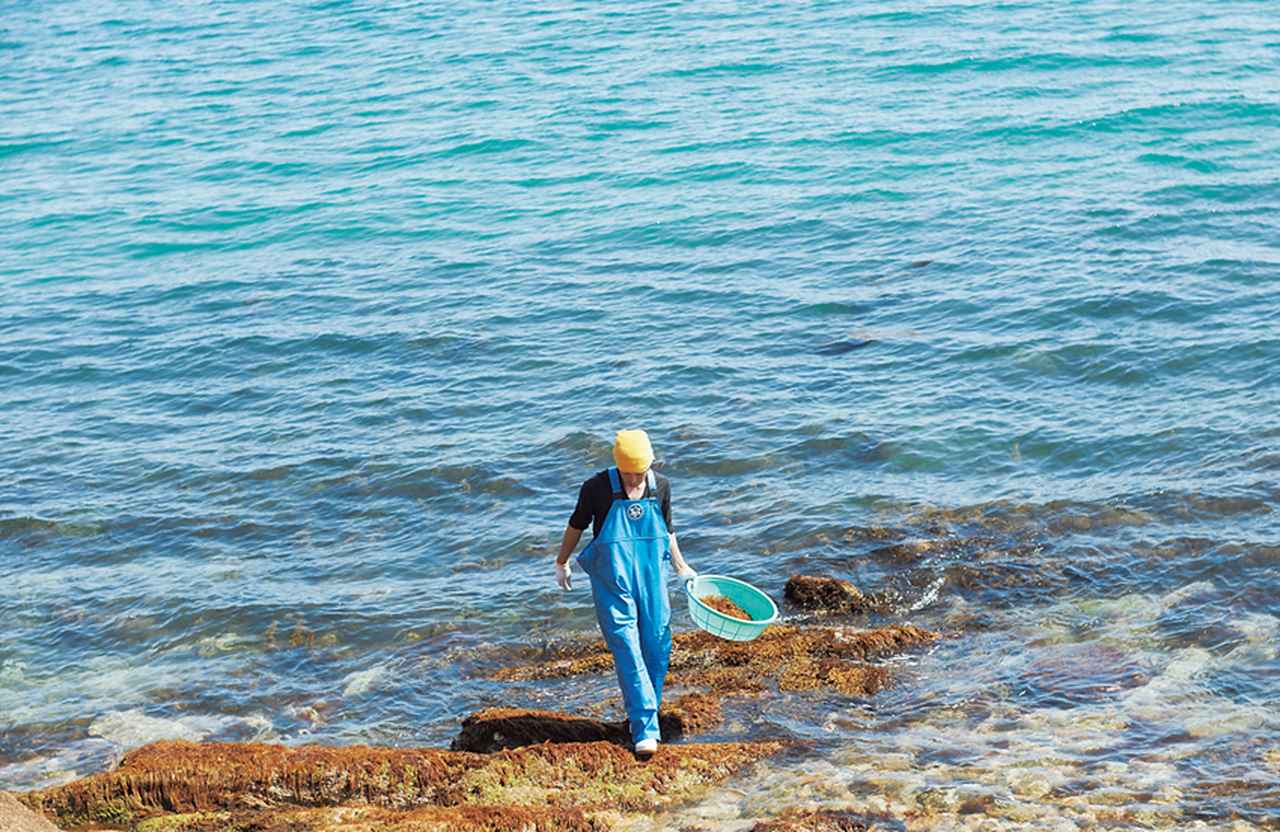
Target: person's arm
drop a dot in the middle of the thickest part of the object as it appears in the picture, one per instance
(678, 562)
(677, 559)
(567, 544)
(578, 522)
(564, 574)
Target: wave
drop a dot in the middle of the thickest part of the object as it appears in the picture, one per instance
(1030, 62)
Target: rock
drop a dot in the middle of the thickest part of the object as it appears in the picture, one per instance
(842, 347)
(1028, 783)
(851, 680)
(859, 534)
(827, 821)
(911, 551)
(797, 658)
(14, 817)
(375, 819)
(1013, 810)
(826, 595)
(495, 729)
(263, 787)
(938, 800)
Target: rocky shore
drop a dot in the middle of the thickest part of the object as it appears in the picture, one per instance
(508, 768)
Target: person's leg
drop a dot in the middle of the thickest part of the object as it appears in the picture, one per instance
(655, 648)
(616, 614)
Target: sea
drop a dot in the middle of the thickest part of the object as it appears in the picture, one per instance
(314, 316)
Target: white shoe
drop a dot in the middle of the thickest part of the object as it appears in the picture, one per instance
(646, 749)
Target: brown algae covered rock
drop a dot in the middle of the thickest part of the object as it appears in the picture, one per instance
(189, 777)
(831, 595)
(495, 729)
(842, 677)
(797, 658)
(377, 819)
(211, 778)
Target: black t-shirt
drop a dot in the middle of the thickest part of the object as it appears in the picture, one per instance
(596, 496)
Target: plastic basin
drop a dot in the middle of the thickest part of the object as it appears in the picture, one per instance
(752, 601)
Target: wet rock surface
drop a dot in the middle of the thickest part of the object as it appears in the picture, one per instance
(179, 786)
(793, 658)
(495, 729)
(375, 819)
(507, 769)
(830, 595)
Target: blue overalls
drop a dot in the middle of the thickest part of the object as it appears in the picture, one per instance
(626, 562)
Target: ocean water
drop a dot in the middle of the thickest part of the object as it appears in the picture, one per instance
(315, 315)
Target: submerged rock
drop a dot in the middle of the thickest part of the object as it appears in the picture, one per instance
(822, 821)
(495, 729)
(911, 551)
(796, 658)
(842, 347)
(267, 787)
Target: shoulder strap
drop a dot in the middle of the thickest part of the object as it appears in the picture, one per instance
(615, 481)
(653, 484)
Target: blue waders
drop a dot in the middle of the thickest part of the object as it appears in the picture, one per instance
(626, 562)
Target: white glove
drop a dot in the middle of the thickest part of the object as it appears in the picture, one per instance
(563, 577)
(687, 573)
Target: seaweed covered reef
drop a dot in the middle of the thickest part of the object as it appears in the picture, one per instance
(191, 787)
(831, 595)
(508, 768)
(794, 658)
(495, 729)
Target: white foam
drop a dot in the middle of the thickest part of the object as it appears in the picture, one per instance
(930, 595)
(132, 728)
(262, 726)
(66, 765)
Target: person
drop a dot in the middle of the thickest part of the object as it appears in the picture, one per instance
(629, 510)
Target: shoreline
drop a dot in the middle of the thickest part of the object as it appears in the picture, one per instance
(508, 768)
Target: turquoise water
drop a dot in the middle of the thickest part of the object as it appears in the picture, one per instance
(316, 314)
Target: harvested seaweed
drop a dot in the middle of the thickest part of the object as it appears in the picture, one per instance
(724, 606)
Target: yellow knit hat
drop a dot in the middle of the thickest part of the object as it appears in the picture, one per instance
(632, 451)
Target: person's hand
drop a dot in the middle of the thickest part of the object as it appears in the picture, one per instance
(687, 573)
(563, 576)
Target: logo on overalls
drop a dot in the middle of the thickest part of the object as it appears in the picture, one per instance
(635, 510)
